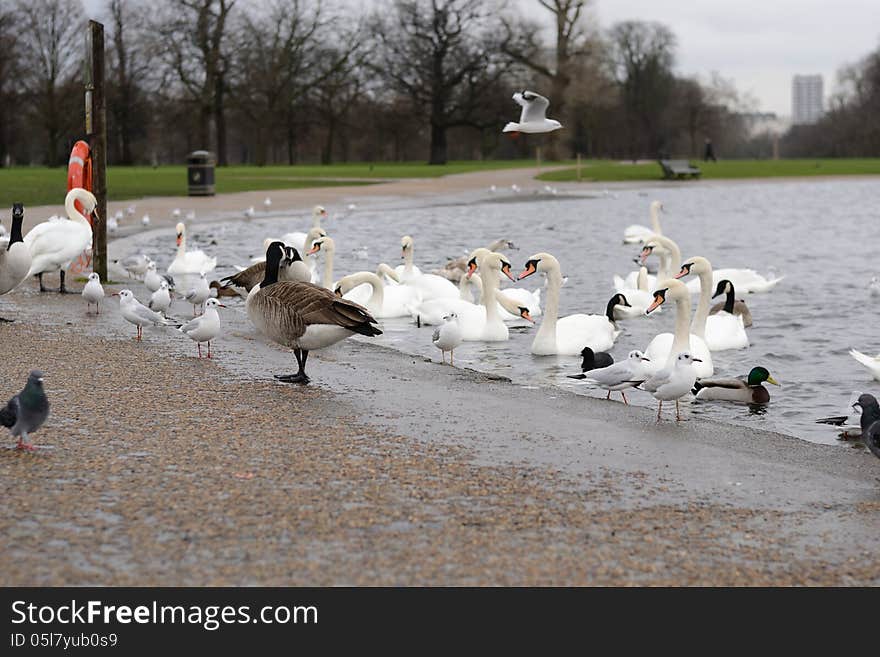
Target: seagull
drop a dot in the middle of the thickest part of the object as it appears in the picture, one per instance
(533, 118)
(592, 361)
(135, 265)
(619, 376)
(145, 220)
(249, 213)
(200, 293)
(874, 287)
(267, 204)
(130, 210)
(112, 225)
(175, 213)
(191, 215)
(515, 188)
(205, 327)
(870, 422)
(28, 410)
(871, 363)
(93, 292)
(447, 337)
(134, 312)
(674, 381)
(119, 216)
(160, 300)
(153, 279)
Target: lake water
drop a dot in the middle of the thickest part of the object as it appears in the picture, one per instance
(817, 234)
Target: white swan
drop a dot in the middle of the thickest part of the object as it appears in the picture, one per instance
(298, 239)
(744, 280)
(670, 262)
(433, 311)
(639, 297)
(569, 335)
(53, 245)
(430, 286)
(367, 289)
(638, 234)
(871, 363)
(327, 246)
(664, 347)
(189, 262)
(721, 331)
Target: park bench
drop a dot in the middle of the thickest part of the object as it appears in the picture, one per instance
(678, 169)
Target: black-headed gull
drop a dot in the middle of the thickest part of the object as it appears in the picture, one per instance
(447, 337)
(93, 292)
(619, 376)
(533, 118)
(199, 293)
(160, 300)
(134, 312)
(674, 381)
(205, 327)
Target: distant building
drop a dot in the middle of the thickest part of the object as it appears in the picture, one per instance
(806, 99)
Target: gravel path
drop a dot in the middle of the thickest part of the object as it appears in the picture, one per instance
(162, 469)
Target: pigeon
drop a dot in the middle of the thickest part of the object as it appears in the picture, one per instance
(27, 411)
(93, 292)
(870, 422)
(592, 361)
(619, 376)
(674, 381)
(205, 327)
(447, 337)
(134, 312)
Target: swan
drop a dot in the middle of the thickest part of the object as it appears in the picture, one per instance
(638, 234)
(189, 262)
(328, 247)
(569, 335)
(639, 297)
(871, 363)
(457, 267)
(664, 347)
(299, 239)
(53, 245)
(723, 330)
(430, 286)
(15, 258)
(303, 316)
(383, 301)
(670, 262)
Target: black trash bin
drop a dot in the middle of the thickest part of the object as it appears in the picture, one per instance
(200, 173)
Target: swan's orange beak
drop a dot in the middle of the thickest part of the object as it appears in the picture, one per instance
(472, 267)
(315, 248)
(524, 313)
(643, 256)
(528, 271)
(179, 239)
(506, 269)
(658, 301)
(684, 272)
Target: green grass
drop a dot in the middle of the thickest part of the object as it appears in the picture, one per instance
(43, 186)
(608, 171)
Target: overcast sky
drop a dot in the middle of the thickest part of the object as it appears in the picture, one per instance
(760, 44)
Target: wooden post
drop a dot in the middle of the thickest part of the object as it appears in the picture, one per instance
(96, 130)
(579, 167)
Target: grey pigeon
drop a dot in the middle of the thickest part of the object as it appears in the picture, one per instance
(870, 422)
(26, 412)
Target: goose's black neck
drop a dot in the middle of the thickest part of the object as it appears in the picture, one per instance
(609, 309)
(274, 254)
(15, 229)
(730, 299)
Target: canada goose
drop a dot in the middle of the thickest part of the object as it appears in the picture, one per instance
(731, 304)
(292, 268)
(15, 259)
(303, 316)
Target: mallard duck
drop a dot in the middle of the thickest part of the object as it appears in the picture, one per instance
(745, 389)
(731, 304)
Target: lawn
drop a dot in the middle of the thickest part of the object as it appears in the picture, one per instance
(608, 171)
(43, 186)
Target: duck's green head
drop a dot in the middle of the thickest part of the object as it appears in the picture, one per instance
(760, 374)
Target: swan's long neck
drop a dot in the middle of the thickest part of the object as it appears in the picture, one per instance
(408, 260)
(464, 285)
(72, 213)
(328, 269)
(655, 220)
(547, 330)
(674, 258)
(385, 270)
(377, 298)
(663, 270)
(642, 283)
(681, 339)
(698, 326)
(490, 300)
(316, 221)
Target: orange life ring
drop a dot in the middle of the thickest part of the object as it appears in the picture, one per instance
(79, 174)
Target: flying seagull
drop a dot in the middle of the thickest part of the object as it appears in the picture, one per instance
(533, 119)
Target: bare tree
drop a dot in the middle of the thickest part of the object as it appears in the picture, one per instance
(641, 58)
(52, 45)
(442, 55)
(573, 43)
(9, 71)
(194, 41)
